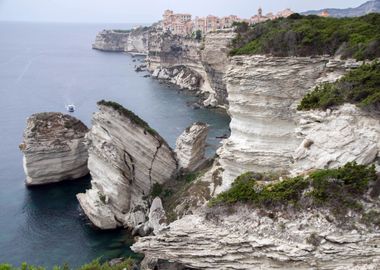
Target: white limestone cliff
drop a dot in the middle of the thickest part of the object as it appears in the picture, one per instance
(207, 60)
(334, 137)
(126, 158)
(54, 148)
(243, 238)
(190, 147)
(133, 41)
(263, 93)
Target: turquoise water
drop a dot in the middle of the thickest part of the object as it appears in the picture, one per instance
(42, 68)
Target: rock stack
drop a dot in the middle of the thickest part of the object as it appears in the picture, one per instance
(126, 158)
(54, 148)
(190, 147)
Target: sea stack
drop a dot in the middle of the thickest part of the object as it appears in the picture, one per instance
(190, 147)
(54, 148)
(126, 158)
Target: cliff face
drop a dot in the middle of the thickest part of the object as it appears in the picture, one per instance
(109, 40)
(245, 239)
(126, 158)
(207, 59)
(269, 135)
(263, 93)
(134, 41)
(335, 137)
(54, 148)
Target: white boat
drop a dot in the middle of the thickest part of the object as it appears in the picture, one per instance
(70, 108)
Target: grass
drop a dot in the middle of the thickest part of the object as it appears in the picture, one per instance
(360, 86)
(127, 264)
(130, 115)
(338, 189)
(311, 35)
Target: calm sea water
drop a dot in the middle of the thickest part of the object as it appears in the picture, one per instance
(42, 68)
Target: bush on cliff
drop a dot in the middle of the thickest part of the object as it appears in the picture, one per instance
(129, 114)
(360, 86)
(127, 264)
(338, 189)
(299, 35)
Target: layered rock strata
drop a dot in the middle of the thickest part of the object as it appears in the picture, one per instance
(246, 239)
(207, 59)
(134, 41)
(334, 137)
(190, 147)
(111, 40)
(54, 148)
(126, 158)
(181, 76)
(263, 93)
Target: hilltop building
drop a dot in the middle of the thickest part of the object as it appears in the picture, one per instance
(183, 25)
(324, 13)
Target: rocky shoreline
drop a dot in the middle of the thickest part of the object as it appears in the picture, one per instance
(132, 166)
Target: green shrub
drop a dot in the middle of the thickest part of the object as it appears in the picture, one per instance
(299, 35)
(360, 86)
(247, 189)
(130, 115)
(157, 190)
(337, 189)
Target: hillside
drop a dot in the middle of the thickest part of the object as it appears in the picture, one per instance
(311, 35)
(364, 9)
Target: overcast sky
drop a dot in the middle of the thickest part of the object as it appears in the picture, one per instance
(146, 11)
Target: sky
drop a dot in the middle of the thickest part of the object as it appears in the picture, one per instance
(147, 11)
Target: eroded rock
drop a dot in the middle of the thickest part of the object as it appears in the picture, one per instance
(190, 147)
(54, 148)
(126, 158)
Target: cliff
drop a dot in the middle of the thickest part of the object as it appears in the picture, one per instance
(269, 135)
(54, 149)
(126, 158)
(207, 60)
(263, 93)
(244, 238)
(134, 41)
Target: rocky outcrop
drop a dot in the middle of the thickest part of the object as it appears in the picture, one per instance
(126, 158)
(181, 76)
(54, 148)
(216, 61)
(111, 40)
(207, 59)
(156, 220)
(335, 137)
(134, 41)
(263, 93)
(247, 239)
(190, 147)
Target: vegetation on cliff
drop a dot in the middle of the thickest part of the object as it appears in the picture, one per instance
(339, 190)
(360, 86)
(298, 35)
(126, 264)
(130, 115)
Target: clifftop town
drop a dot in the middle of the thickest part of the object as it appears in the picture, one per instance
(183, 24)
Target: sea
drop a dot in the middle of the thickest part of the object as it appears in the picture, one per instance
(43, 68)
